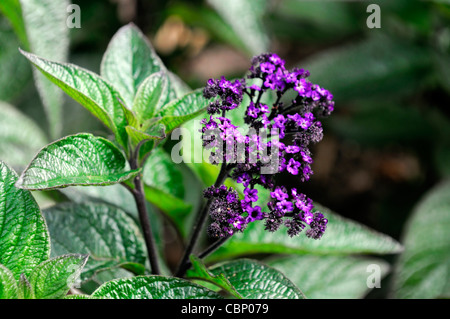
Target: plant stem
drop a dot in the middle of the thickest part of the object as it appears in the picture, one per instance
(139, 197)
(201, 218)
(208, 251)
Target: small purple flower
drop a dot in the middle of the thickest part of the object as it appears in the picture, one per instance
(232, 197)
(250, 195)
(308, 217)
(255, 214)
(267, 67)
(293, 166)
(252, 111)
(292, 149)
(285, 206)
(279, 194)
(244, 179)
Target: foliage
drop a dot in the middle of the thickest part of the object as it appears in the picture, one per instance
(99, 193)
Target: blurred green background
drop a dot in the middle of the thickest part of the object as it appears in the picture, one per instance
(386, 144)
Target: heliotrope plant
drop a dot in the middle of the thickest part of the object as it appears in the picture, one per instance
(255, 134)
(275, 140)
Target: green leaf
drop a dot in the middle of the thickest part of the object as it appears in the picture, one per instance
(374, 67)
(255, 280)
(164, 186)
(24, 239)
(20, 137)
(81, 159)
(183, 109)
(199, 271)
(8, 284)
(13, 11)
(106, 233)
(245, 18)
(151, 96)
(26, 291)
(53, 278)
(152, 134)
(128, 61)
(422, 270)
(115, 195)
(330, 277)
(48, 35)
(154, 287)
(90, 90)
(342, 236)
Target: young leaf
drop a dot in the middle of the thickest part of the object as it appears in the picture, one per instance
(342, 236)
(331, 277)
(182, 110)
(152, 134)
(81, 159)
(90, 90)
(422, 269)
(151, 96)
(106, 233)
(24, 239)
(128, 61)
(20, 136)
(255, 280)
(8, 284)
(53, 278)
(154, 287)
(199, 271)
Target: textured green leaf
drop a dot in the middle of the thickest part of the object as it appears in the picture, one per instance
(26, 291)
(20, 137)
(8, 284)
(183, 109)
(15, 72)
(53, 278)
(106, 233)
(128, 61)
(255, 280)
(81, 159)
(374, 67)
(330, 277)
(115, 195)
(151, 96)
(245, 18)
(423, 269)
(90, 90)
(48, 35)
(342, 236)
(154, 287)
(199, 271)
(24, 239)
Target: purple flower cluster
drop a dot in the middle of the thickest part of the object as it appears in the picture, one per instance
(276, 141)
